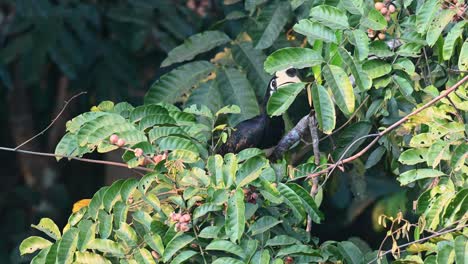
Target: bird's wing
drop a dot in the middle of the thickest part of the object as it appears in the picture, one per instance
(247, 134)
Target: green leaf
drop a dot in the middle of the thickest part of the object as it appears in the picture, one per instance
(293, 201)
(281, 240)
(308, 202)
(48, 226)
(314, 30)
(204, 209)
(418, 174)
(363, 81)
(282, 99)
(88, 257)
(375, 157)
(341, 88)
(292, 57)
(52, 254)
(87, 232)
(194, 45)
(361, 41)
(330, 16)
(228, 109)
(449, 41)
(155, 242)
(105, 223)
(445, 252)
(347, 141)
(425, 14)
(67, 246)
(438, 25)
(459, 156)
(405, 65)
(40, 258)
(173, 84)
(463, 59)
(250, 170)
(176, 143)
(227, 260)
(324, 109)
(261, 257)
(236, 90)
(251, 61)
(376, 68)
(413, 156)
(299, 250)
(380, 49)
(210, 232)
(127, 234)
(438, 151)
(271, 21)
(68, 147)
(226, 246)
(263, 224)
(374, 20)
(183, 256)
(355, 7)
(175, 245)
(235, 216)
(33, 243)
(143, 256)
(404, 82)
(351, 253)
(461, 249)
(112, 195)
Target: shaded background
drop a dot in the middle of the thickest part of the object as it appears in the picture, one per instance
(52, 49)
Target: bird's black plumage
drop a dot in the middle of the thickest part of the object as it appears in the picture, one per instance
(261, 131)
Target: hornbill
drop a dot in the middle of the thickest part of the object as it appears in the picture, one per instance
(261, 131)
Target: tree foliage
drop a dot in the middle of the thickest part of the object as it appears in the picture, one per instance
(365, 68)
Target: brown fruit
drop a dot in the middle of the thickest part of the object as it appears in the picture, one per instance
(379, 5)
(184, 227)
(384, 10)
(381, 36)
(113, 139)
(121, 142)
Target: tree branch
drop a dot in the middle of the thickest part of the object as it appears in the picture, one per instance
(389, 129)
(43, 154)
(52, 123)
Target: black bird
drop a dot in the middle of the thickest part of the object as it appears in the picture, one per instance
(261, 131)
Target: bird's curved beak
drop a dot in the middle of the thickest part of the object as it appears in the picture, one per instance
(287, 76)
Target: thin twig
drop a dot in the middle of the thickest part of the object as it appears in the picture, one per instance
(110, 163)
(51, 123)
(391, 128)
(419, 241)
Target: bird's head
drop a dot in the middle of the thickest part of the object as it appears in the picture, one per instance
(281, 78)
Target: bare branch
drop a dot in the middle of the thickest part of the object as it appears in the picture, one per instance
(43, 154)
(53, 121)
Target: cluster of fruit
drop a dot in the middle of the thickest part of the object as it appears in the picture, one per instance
(120, 142)
(182, 221)
(386, 8)
(455, 5)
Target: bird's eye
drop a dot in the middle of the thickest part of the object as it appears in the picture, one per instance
(291, 72)
(273, 84)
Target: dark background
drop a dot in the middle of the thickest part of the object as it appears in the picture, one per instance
(52, 50)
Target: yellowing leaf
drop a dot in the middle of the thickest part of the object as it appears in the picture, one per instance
(80, 204)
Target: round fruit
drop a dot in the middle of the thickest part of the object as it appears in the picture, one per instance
(121, 142)
(392, 9)
(113, 139)
(379, 5)
(138, 152)
(384, 10)
(381, 36)
(185, 218)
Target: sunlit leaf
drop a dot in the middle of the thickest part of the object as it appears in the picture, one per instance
(330, 16)
(292, 57)
(341, 88)
(418, 174)
(33, 243)
(282, 99)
